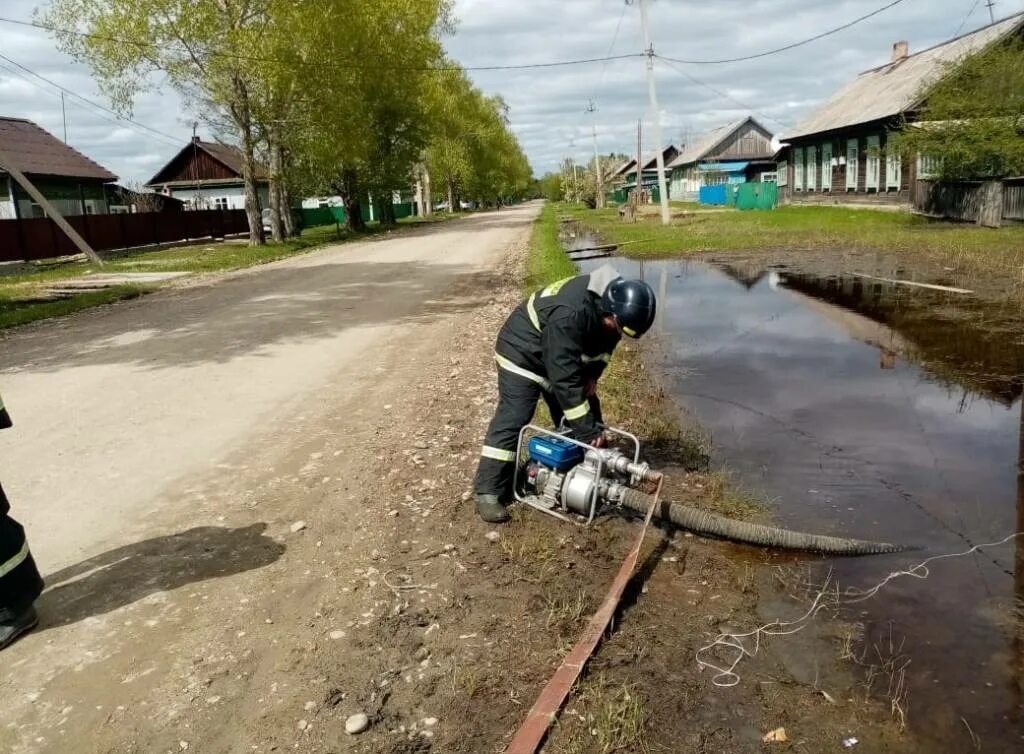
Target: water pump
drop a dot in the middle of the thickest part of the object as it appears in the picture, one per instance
(571, 480)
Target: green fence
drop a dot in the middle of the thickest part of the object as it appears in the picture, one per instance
(757, 196)
(311, 218)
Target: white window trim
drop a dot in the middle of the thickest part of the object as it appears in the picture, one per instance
(783, 173)
(893, 171)
(826, 166)
(852, 159)
(811, 161)
(872, 164)
(798, 169)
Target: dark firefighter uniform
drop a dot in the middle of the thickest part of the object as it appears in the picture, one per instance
(554, 345)
(20, 582)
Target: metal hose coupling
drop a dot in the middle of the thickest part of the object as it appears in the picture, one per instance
(616, 461)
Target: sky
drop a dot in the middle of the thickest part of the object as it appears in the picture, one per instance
(548, 106)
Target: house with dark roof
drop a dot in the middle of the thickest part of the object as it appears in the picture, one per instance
(840, 152)
(208, 175)
(624, 176)
(73, 183)
(734, 153)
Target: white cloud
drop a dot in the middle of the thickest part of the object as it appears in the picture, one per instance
(547, 105)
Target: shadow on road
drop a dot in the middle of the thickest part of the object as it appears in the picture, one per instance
(252, 315)
(128, 574)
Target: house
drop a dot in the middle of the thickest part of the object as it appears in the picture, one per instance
(625, 176)
(124, 200)
(737, 152)
(206, 175)
(73, 183)
(840, 152)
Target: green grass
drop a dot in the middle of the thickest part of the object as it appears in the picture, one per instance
(815, 228)
(547, 261)
(20, 294)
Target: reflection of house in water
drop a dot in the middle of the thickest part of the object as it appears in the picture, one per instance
(746, 274)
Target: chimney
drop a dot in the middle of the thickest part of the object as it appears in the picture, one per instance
(900, 51)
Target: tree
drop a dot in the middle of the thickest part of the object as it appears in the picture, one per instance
(972, 118)
(205, 48)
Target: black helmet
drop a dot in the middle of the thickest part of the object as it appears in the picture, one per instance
(633, 304)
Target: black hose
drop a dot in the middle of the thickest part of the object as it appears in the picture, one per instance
(702, 522)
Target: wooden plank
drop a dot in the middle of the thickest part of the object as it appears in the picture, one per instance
(914, 284)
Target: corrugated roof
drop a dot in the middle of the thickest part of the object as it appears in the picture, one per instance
(38, 152)
(705, 143)
(891, 89)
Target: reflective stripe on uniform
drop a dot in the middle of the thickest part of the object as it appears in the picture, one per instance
(509, 366)
(498, 454)
(629, 331)
(17, 560)
(578, 412)
(532, 312)
(555, 287)
(605, 357)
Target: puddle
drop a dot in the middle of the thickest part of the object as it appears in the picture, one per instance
(877, 411)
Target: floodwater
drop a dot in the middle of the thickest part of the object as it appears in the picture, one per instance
(877, 411)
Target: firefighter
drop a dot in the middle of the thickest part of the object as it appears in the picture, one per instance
(556, 344)
(20, 582)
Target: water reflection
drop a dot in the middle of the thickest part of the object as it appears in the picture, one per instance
(874, 410)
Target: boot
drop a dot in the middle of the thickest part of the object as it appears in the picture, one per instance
(490, 509)
(12, 628)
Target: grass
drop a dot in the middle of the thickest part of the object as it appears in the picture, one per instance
(547, 262)
(818, 228)
(21, 295)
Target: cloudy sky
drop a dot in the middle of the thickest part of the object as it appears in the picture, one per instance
(548, 105)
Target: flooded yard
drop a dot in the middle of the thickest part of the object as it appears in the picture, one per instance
(875, 410)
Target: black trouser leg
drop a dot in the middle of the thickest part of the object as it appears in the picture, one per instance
(517, 402)
(20, 582)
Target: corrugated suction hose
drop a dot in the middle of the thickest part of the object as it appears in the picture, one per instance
(702, 522)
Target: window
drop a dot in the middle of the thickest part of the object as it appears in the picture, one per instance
(811, 160)
(221, 202)
(798, 169)
(927, 166)
(873, 163)
(769, 177)
(783, 173)
(893, 169)
(852, 155)
(826, 166)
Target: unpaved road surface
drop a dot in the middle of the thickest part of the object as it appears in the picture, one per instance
(165, 448)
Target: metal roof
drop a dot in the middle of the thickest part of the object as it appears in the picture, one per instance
(895, 87)
(708, 141)
(38, 152)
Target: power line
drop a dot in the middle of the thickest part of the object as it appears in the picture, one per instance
(720, 93)
(969, 14)
(334, 63)
(792, 46)
(119, 117)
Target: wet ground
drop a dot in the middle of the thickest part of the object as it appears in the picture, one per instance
(880, 411)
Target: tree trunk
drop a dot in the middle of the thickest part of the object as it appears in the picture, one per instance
(276, 184)
(350, 198)
(387, 209)
(451, 198)
(243, 119)
(428, 201)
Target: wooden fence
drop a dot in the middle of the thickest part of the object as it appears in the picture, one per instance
(990, 203)
(40, 238)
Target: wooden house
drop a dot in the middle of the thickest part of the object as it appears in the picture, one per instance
(840, 153)
(205, 175)
(70, 181)
(734, 153)
(625, 176)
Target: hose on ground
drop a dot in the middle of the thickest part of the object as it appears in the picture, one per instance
(702, 522)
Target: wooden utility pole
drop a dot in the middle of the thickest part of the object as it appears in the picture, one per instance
(64, 116)
(655, 115)
(598, 180)
(991, 12)
(7, 164)
(639, 154)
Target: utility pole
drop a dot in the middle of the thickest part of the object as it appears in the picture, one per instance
(64, 115)
(991, 13)
(639, 155)
(655, 115)
(598, 180)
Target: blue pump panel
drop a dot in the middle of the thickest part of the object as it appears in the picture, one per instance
(555, 453)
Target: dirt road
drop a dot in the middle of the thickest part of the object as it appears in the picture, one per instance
(200, 473)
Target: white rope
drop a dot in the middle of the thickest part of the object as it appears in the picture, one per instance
(726, 677)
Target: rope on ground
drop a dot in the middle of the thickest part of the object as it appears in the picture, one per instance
(543, 712)
(734, 643)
